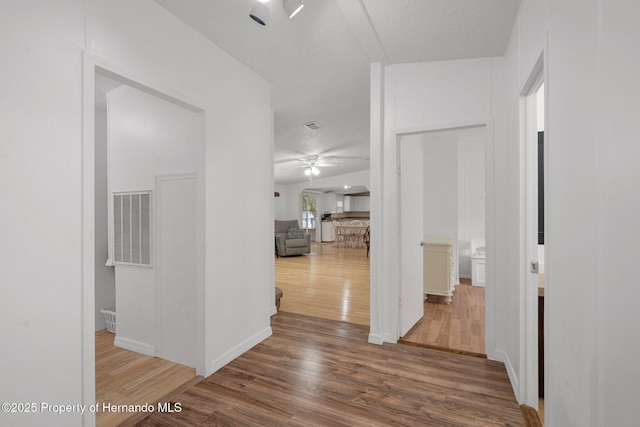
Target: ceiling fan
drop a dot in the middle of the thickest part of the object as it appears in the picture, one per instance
(313, 165)
(310, 164)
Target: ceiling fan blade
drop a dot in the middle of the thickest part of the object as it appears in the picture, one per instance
(323, 164)
(287, 162)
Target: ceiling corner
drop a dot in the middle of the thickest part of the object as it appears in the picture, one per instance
(358, 17)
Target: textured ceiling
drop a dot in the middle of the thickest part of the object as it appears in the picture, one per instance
(318, 62)
(436, 30)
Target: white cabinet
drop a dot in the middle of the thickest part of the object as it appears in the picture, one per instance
(346, 206)
(360, 204)
(356, 203)
(328, 232)
(438, 265)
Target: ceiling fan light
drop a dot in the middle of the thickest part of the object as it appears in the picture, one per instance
(259, 13)
(292, 7)
(311, 170)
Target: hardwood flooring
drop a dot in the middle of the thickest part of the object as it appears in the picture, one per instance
(316, 372)
(127, 378)
(330, 283)
(333, 283)
(457, 327)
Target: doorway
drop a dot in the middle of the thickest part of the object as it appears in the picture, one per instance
(442, 200)
(534, 238)
(331, 282)
(99, 195)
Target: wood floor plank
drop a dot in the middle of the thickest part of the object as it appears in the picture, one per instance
(330, 283)
(127, 378)
(317, 372)
(457, 327)
(333, 283)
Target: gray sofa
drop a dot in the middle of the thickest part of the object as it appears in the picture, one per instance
(291, 245)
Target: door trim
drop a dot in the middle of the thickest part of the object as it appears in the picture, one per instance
(527, 389)
(91, 64)
(490, 294)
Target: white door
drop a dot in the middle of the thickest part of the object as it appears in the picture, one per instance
(176, 275)
(411, 232)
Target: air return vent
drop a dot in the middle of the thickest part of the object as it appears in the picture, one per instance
(132, 228)
(312, 125)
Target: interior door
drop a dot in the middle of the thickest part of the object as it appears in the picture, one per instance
(176, 269)
(411, 232)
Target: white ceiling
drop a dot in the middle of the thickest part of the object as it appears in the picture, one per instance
(318, 62)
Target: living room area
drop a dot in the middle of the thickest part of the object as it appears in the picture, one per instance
(321, 254)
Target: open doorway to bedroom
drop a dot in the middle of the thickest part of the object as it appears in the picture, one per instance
(442, 231)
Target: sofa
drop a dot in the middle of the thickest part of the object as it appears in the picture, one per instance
(290, 240)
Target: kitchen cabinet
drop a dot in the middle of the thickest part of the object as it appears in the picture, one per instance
(328, 231)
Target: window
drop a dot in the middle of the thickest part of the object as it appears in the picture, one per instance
(308, 212)
(132, 228)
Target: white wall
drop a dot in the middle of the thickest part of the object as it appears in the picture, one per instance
(42, 149)
(280, 202)
(440, 189)
(440, 196)
(618, 204)
(148, 137)
(591, 375)
(40, 169)
(105, 295)
(421, 97)
(170, 54)
(471, 198)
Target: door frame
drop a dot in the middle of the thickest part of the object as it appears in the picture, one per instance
(490, 293)
(91, 64)
(527, 392)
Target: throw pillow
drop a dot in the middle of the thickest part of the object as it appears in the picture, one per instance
(294, 233)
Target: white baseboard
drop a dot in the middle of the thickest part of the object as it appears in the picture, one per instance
(386, 337)
(133, 345)
(238, 350)
(503, 357)
(375, 339)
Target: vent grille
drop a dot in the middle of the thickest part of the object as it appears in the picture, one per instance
(132, 228)
(312, 125)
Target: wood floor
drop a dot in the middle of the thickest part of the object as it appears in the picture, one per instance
(457, 327)
(127, 378)
(330, 283)
(333, 283)
(316, 372)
